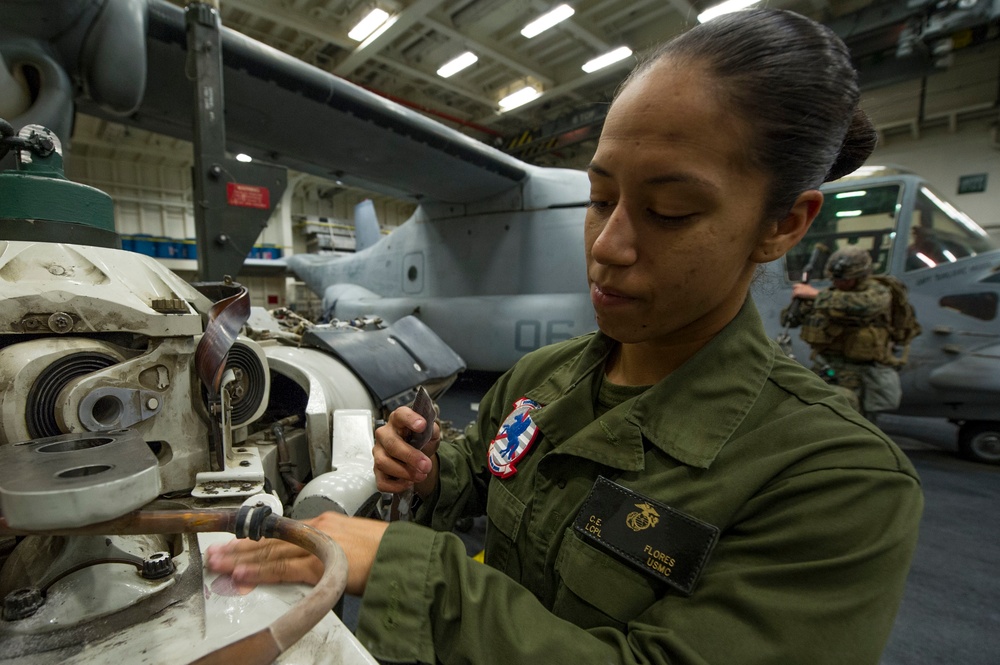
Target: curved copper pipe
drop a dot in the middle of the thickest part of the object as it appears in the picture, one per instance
(267, 644)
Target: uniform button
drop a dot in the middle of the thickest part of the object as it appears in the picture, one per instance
(561, 483)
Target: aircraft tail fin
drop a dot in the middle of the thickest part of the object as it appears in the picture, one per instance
(366, 229)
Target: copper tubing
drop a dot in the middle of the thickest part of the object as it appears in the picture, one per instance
(266, 645)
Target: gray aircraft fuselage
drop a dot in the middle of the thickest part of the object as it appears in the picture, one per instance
(510, 277)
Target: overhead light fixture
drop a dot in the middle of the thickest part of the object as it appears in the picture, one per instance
(609, 58)
(851, 195)
(546, 21)
(368, 24)
(519, 98)
(457, 64)
(849, 213)
(243, 157)
(726, 7)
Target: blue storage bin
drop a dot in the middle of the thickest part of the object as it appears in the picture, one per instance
(128, 243)
(144, 244)
(189, 249)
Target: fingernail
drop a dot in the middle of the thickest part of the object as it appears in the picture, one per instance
(424, 465)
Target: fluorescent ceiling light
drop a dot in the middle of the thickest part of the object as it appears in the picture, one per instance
(849, 213)
(522, 96)
(546, 21)
(243, 157)
(724, 8)
(851, 195)
(457, 64)
(609, 58)
(368, 25)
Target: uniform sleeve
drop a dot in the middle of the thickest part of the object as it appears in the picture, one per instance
(463, 476)
(811, 571)
(865, 304)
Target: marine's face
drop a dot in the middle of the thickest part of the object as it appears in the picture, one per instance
(675, 211)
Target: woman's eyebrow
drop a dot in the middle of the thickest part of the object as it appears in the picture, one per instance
(663, 179)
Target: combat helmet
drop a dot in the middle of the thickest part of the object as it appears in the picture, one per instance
(849, 263)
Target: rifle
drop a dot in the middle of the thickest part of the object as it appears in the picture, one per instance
(816, 263)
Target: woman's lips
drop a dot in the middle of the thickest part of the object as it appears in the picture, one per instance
(607, 297)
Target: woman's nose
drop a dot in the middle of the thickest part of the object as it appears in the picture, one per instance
(616, 244)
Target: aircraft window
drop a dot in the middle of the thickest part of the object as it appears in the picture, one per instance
(863, 218)
(940, 233)
(979, 305)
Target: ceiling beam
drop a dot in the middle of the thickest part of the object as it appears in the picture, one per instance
(435, 80)
(326, 32)
(492, 51)
(369, 48)
(561, 90)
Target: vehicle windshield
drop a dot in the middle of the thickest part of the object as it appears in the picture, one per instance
(860, 217)
(940, 233)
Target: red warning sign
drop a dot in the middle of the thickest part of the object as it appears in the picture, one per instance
(248, 196)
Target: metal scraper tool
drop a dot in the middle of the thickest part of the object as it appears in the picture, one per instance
(423, 405)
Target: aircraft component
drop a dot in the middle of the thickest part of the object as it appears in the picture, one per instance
(265, 645)
(391, 362)
(37, 201)
(350, 493)
(76, 479)
(977, 370)
(979, 441)
(104, 410)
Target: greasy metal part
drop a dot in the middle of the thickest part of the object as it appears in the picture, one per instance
(116, 408)
(225, 319)
(285, 465)
(265, 645)
(242, 473)
(22, 603)
(87, 552)
(76, 479)
(157, 565)
(94, 625)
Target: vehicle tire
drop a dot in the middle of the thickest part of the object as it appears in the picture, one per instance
(979, 441)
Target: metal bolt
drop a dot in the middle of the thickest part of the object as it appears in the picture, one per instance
(60, 322)
(22, 603)
(57, 270)
(157, 565)
(152, 404)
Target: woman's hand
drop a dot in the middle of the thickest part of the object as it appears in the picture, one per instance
(269, 561)
(398, 465)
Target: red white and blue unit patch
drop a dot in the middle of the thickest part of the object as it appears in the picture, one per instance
(513, 440)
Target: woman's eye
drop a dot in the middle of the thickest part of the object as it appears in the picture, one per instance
(600, 206)
(671, 219)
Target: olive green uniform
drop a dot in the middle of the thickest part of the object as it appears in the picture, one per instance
(818, 513)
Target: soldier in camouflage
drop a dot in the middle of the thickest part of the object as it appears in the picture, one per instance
(848, 326)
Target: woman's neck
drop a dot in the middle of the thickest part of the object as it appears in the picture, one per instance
(648, 363)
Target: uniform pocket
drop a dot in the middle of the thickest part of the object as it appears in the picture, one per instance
(597, 589)
(504, 511)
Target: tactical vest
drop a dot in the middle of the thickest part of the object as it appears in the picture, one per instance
(837, 331)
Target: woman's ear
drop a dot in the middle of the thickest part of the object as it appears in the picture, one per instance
(781, 236)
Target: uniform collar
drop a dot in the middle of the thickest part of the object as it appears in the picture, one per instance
(689, 415)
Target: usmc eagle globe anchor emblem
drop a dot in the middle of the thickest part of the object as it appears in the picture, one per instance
(644, 518)
(513, 440)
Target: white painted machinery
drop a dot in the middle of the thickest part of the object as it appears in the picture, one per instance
(142, 418)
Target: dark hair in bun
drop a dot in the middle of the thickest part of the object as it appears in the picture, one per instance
(792, 79)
